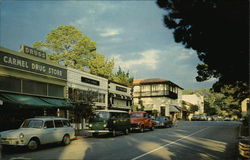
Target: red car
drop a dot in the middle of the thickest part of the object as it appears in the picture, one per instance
(141, 121)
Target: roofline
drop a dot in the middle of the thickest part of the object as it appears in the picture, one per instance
(118, 83)
(162, 82)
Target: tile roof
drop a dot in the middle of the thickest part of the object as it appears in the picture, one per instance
(152, 80)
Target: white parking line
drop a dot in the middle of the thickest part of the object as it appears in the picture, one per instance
(168, 144)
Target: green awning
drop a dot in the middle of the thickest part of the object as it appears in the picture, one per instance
(60, 103)
(24, 101)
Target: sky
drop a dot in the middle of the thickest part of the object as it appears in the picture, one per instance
(131, 32)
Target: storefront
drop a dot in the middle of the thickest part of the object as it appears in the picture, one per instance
(120, 97)
(30, 85)
(84, 89)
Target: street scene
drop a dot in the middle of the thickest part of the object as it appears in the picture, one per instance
(187, 140)
(162, 79)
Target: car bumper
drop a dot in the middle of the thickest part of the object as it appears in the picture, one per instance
(12, 142)
(97, 131)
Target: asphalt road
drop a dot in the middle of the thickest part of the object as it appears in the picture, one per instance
(187, 141)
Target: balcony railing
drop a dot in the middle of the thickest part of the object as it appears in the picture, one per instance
(162, 93)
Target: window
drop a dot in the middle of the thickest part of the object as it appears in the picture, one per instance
(49, 124)
(66, 123)
(33, 87)
(58, 123)
(56, 90)
(10, 84)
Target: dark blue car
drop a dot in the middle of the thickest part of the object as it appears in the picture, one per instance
(163, 121)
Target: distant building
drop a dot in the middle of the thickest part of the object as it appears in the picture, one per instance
(244, 107)
(195, 99)
(120, 97)
(157, 94)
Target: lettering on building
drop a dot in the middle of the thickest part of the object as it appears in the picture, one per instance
(33, 52)
(121, 89)
(26, 64)
(90, 81)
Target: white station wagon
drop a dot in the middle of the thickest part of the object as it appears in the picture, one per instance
(40, 130)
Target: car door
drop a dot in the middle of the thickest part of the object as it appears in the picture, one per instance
(48, 135)
(59, 130)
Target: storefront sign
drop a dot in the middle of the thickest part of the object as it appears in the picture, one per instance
(26, 64)
(121, 89)
(90, 81)
(33, 52)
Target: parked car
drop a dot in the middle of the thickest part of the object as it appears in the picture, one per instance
(163, 121)
(109, 121)
(195, 117)
(40, 130)
(141, 121)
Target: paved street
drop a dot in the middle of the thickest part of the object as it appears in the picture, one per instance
(188, 140)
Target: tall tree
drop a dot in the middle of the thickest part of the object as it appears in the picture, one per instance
(67, 45)
(101, 66)
(218, 30)
(123, 77)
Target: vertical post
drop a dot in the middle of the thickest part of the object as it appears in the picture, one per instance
(67, 114)
(58, 112)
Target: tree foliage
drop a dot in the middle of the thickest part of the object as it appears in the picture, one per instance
(101, 66)
(123, 77)
(67, 45)
(217, 103)
(218, 31)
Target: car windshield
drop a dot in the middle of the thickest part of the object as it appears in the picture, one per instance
(100, 116)
(160, 118)
(32, 124)
(136, 115)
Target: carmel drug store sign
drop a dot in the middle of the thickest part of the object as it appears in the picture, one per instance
(26, 64)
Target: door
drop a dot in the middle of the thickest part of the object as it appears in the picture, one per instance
(48, 135)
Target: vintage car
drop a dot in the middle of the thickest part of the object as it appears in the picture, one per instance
(40, 130)
(163, 121)
(109, 121)
(140, 121)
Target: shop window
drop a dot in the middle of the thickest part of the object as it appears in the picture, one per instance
(33, 87)
(10, 84)
(56, 90)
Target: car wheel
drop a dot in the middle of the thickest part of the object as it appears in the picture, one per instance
(33, 144)
(66, 140)
(152, 128)
(126, 131)
(142, 129)
(113, 133)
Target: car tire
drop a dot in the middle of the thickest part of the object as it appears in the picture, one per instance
(66, 140)
(126, 131)
(142, 129)
(114, 133)
(152, 128)
(33, 144)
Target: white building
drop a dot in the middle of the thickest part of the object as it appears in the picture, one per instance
(80, 83)
(195, 99)
(157, 94)
(120, 96)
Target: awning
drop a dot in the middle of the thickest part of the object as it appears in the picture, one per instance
(173, 109)
(119, 96)
(25, 101)
(60, 103)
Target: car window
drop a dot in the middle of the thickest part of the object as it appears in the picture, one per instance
(49, 124)
(32, 124)
(66, 123)
(136, 115)
(58, 123)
